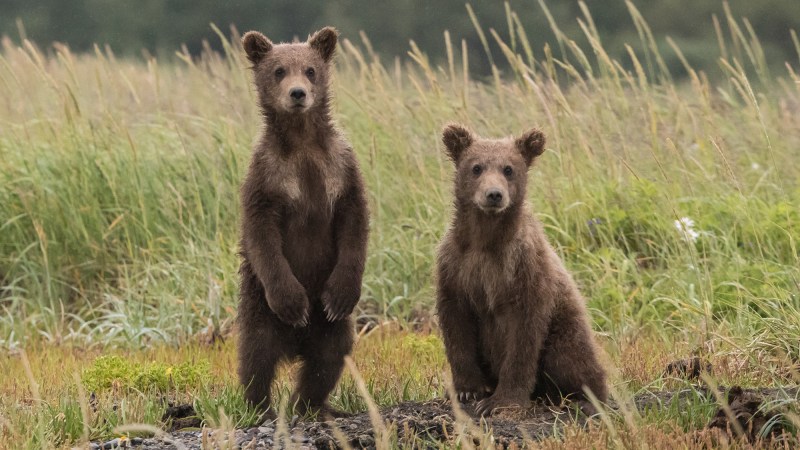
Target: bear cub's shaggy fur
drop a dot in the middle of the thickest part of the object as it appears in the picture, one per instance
(304, 227)
(513, 322)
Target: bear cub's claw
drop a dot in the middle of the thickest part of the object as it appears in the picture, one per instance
(471, 392)
(338, 302)
(291, 307)
(465, 397)
(469, 385)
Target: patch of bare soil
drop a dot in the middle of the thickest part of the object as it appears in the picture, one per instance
(433, 422)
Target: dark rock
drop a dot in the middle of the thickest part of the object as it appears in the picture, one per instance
(747, 416)
(181, 417)
(689, 369)
(114, 443)
(178, 412)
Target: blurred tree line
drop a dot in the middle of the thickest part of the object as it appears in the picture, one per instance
(162, 26)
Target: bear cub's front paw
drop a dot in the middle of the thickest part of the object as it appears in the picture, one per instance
(340, 297)
(291, 306)
(471, 389)
(499, 400)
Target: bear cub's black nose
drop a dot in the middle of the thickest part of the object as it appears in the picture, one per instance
(297, 94)
(494, 196)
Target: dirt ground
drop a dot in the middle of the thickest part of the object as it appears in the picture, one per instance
(433, 421)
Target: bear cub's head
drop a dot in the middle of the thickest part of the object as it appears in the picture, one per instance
(291, 78)
(491, 174)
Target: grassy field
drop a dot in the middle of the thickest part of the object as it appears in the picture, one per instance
(673, 199)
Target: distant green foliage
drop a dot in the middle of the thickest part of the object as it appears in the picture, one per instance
(161, 27)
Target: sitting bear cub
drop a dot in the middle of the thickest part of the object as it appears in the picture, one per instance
(513, 322)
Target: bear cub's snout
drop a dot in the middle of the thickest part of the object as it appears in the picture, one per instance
(492, 195)
(298, 94)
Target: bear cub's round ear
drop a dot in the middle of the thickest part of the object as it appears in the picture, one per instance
(256, 45)
(324, 42)
(531, 145)
(456, 138)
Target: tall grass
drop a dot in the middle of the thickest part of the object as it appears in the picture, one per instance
(120, 179)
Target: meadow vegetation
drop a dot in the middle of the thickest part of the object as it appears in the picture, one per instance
(674, 201)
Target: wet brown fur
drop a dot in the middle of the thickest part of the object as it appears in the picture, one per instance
(304, 227)
(513, 322)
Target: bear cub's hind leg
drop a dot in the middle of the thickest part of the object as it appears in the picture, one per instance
(564, 375)
(258, 361)
(323, 356)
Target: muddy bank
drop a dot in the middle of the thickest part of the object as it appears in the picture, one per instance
(433, 422)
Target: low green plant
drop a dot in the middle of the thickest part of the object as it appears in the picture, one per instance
(217, 407)
(107, 372)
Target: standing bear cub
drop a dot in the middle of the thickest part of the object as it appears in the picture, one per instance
(304, 227)
(513, 322)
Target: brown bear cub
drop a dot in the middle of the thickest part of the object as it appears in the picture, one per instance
(304, 227)
(513, 322)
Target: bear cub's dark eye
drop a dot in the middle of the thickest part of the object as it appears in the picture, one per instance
(508, 171)
(477, 169)
(310, 72)
(279, 72)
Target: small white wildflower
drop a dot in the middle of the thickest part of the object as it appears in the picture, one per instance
(684, 223)
(685, 226)
(755, 166)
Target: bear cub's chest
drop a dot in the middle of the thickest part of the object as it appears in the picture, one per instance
(487, 277)
(313, 185)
